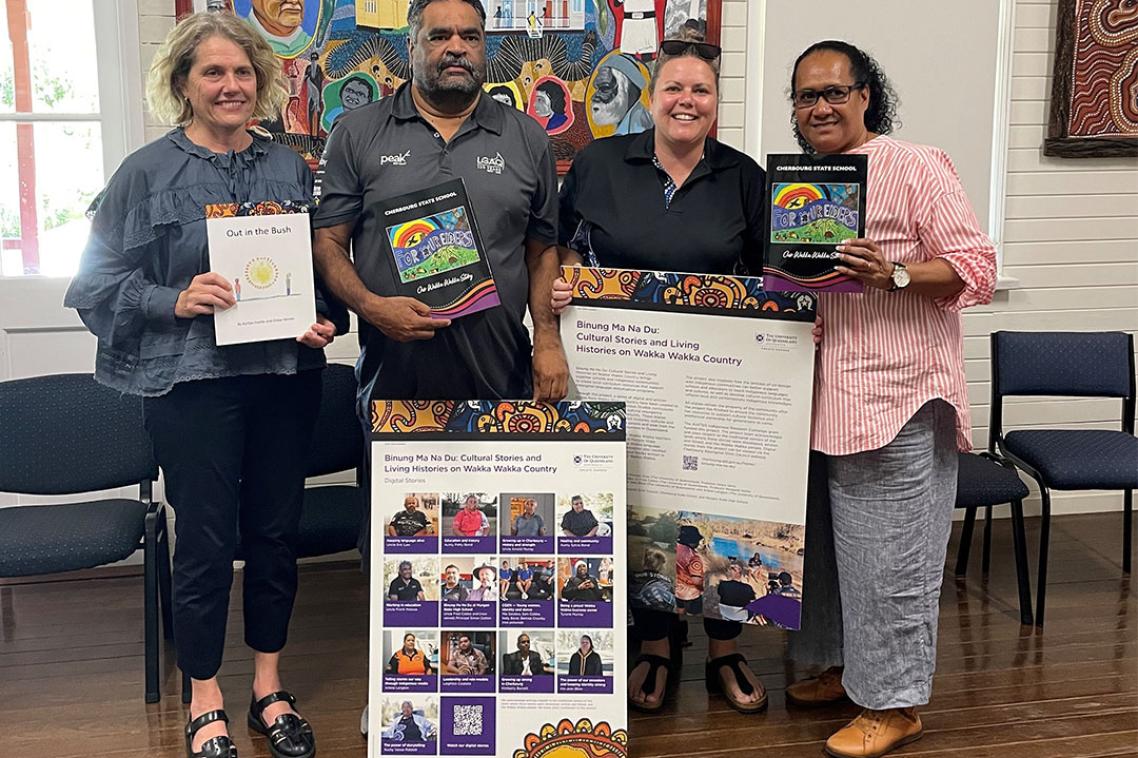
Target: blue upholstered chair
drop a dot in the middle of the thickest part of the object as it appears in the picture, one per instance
(333, 513)
(1080, 364)
(66, 434)
(984, 481)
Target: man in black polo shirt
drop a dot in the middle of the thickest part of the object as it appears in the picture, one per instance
(579, 522)
(438, 127)
(405, 587)
(409, 522)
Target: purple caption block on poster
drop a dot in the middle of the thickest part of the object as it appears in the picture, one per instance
(470, 613)
(468, 683)
(397, 747)
(411, 545)
(468, 726)
(584, 613)
(410, 683)
(469, 544)
(585, 545)
(573, 685)
(537, 684)
(537, 613)
(415, 613)
(526, 545)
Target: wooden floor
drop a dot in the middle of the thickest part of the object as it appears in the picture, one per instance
(71, 669)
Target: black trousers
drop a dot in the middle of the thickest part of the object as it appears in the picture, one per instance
(233, 452)
(656, 625)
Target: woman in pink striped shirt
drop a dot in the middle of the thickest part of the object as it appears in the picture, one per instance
(890, 408)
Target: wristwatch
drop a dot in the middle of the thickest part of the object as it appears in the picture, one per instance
(900, 277)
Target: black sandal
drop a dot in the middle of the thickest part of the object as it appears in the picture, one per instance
(215, 747)
(732, 661)
(655, 663)
(290, 736)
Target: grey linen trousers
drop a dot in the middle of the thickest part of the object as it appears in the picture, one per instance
(875, 561)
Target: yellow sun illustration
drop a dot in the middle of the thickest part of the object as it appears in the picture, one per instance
(261, 272)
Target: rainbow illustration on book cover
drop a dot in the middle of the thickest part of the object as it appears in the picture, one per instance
(436, 253)
(815, 204)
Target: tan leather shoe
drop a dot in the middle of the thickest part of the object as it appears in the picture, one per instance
(875, 733)
(823, 689)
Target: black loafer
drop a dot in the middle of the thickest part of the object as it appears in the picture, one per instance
(214, 747)
(290, 736)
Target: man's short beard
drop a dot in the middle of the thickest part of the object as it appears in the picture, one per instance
(451, 95)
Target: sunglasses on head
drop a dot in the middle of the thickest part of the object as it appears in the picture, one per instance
(704, 50)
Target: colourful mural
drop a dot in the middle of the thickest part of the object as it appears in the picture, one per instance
(579, 67)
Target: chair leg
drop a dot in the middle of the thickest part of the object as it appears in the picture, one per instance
(1127, 519)
(1023, 576)
(1044, 541)
(164, 579)
(965, 541)
(187, 691)
(986, 561)
(150, 587)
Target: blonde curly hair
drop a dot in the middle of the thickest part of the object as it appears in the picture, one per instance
(175, 57)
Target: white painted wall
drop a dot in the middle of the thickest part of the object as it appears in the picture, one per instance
(1071, 233)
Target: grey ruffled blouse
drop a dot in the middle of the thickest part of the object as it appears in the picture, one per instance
(148, 240)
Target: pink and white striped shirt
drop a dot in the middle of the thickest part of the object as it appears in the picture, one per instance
(885, 354)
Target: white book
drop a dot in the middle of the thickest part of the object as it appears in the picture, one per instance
(268, 262)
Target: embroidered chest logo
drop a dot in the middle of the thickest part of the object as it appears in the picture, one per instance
(491, 165)
(399, 159)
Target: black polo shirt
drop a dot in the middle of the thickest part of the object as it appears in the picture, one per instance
(405, 591)
(578, 523)
(385, 149)
(714, 220)
(406, 523)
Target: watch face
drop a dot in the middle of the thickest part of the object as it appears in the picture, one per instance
(901, 277)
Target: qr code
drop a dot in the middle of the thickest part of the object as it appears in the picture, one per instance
(691, 463)
(468, 720)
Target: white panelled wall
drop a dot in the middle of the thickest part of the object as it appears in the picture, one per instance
(1070, 241)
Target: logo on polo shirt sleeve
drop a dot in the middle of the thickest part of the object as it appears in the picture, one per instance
(491, 165)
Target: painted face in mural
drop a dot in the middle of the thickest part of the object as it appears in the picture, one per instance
(541, 105)
(684, 102)
(830, 127)
(448, 56)
(279, 17)
(354, 93)
(613, 96)
(221, 86)
(503, 96)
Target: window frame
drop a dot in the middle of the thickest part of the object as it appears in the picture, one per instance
(120, 116)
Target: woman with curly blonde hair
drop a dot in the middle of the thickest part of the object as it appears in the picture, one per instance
(231, 426)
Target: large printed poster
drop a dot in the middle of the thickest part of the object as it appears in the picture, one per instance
(716, 375)
(498, 610)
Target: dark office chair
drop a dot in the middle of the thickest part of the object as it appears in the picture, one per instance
(982, 482)
(67, 434)
(1081, 364)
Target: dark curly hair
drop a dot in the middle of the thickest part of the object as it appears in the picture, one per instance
(881, 116)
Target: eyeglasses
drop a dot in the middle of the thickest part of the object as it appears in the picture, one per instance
(835, 94)
(705, 50)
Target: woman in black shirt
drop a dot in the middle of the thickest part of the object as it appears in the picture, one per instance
(671, 199)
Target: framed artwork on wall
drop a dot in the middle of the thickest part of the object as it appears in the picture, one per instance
(579, 67)
(1094, 92)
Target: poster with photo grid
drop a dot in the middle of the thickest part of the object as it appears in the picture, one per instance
(496, 583)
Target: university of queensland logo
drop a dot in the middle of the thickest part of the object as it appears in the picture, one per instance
(491, 165)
